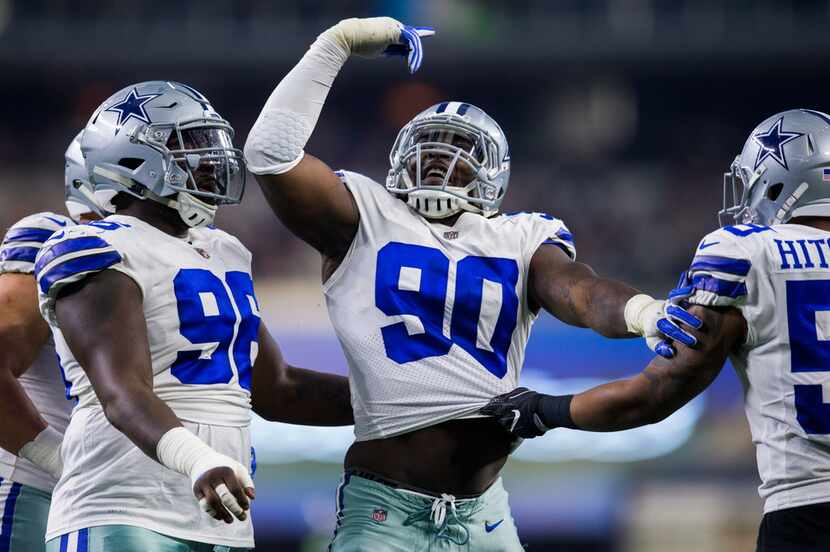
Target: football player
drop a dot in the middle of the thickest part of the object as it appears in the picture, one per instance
(432, 295)
(158, 331)
(34, 410)
(761, 285)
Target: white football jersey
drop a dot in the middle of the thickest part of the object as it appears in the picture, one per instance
(433, 319)
(779, 278)
(42, 381)
(202, 323)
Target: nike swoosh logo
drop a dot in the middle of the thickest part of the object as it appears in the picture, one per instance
(516, 416)
(489, 528)
(58, 222)
(704, 245)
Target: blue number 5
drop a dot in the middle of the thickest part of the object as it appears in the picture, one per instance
(411, 281)
(207, 317)
(808, 317)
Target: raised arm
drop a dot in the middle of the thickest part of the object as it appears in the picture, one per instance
(23, 332)
(102, 320)
(284, 393)
(303, 192)
(660, 389)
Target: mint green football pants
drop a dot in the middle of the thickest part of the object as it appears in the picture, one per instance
(126, 538)
(25, 511)
(374, 516)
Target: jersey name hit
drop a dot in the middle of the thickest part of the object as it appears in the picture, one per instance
(779, 278)
(42, 381)
(202, 324)
(433, 319)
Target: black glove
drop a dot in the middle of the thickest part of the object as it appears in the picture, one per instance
(529, 414)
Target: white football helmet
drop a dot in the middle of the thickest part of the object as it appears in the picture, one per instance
(450, 157)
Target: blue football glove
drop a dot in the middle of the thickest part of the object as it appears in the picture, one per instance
(410, 46)
(677, 316)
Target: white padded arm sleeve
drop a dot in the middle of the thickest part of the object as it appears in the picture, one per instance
(276, 141)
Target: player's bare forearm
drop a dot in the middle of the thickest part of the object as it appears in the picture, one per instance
(573, 293)
(665, 385)
(314, 204)
(23, 332)
(102, 319)
(21, 421)
(283, 393)
(314, 398)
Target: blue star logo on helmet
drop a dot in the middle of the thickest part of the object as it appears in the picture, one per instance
(132, 107)
(771, 143)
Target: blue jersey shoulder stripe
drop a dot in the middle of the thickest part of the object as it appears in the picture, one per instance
(738, 267)
(560, 245)
(69, 246)
(23, 254)
(563, 234)
(28, 235)
(88, 263)
(723, 288)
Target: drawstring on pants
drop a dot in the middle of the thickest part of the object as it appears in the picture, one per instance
(442, 513)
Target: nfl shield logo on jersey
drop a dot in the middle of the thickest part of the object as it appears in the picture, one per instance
(379, 515)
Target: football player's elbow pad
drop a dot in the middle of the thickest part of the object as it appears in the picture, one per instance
(275, 143)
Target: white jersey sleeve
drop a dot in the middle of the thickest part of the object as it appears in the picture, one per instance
(720, 270)
(722, 275)
(73, 254)
(25, 238)
(545, 229)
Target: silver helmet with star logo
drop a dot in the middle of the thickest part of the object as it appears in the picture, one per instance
(163, 141)
(782, 172)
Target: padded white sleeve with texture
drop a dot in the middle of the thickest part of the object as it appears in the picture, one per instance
(276, 141)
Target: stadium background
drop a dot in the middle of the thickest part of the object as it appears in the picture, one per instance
(622, 116)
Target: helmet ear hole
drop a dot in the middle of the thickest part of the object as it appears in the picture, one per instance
(775, 190)
(131, 163)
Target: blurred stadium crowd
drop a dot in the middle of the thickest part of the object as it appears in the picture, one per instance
(622, 115)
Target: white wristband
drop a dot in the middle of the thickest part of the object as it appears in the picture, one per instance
(182, 451)
(45, 451)
(639, 311)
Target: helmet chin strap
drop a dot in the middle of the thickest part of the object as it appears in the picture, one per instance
(193, 211)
